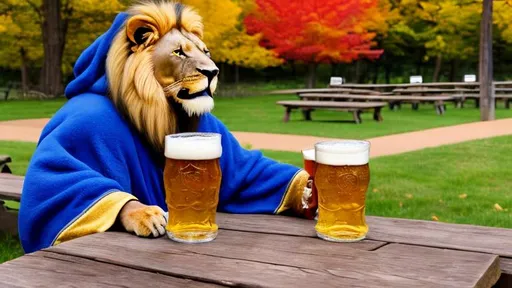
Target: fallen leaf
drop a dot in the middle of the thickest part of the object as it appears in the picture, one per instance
(408, 196)
(434, 217)
(401, 204)
(463, 196)
(375, 190)
(498, 207)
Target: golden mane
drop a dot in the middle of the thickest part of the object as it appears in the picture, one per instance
(133, 87)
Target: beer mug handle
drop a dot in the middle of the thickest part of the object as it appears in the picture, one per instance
(310, 200)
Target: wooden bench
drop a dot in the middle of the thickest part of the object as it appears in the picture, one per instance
(326, 90)
(10, 189)
(355, 107)
(392, 100)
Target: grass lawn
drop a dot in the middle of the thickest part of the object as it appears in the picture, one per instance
(457, 183)
(261, 114)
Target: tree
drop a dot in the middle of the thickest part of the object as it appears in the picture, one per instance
(329, 32)
(486, 78)
(82, 20)
(226, 37)
(20, 39)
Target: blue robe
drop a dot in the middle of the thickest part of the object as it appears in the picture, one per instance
(89, 162)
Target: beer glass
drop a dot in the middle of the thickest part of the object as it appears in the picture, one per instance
(341, 178)
(192, 178)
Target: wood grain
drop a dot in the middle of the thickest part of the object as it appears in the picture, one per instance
(496, 241)
(46, 269)
(487, 276)
(11, 186)
(266, 260)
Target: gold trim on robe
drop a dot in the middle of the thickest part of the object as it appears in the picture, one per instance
(293, 196)
(99, 217)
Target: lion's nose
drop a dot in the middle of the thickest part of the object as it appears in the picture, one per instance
(210, 73)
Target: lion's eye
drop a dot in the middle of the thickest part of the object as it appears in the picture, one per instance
(207, 52)
(179, 52)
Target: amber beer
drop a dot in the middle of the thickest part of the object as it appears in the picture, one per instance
(342, 177)
(192, 179)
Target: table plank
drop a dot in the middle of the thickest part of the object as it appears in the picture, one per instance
(241, 258)
(11, 186)
(379, 98)
(488, 275)
(331, 104)
(46, 269)
(426, 233)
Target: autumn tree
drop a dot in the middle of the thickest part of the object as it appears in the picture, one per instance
(226, 36)
(312, 32)
(20, 41)
(58, 23)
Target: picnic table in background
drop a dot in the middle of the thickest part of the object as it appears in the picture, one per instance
(392, 100)
(356, 108)
(276, 251)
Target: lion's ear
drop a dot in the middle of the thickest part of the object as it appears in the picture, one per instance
(141, 30)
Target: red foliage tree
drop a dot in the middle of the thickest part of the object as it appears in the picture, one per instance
(314, 31)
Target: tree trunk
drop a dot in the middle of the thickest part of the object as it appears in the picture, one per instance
(358, 71)
(237, 74)
(311, 81)
(53, 30)
(376, 67)
(294, 69)
(487, 109)
(334, 69)
(437, 70)
(453, 70)
(24, 71)
(387, 72)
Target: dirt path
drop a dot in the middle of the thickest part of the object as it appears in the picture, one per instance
(29, 130)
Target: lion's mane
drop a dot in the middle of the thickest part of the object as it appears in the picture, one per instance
(135, 91)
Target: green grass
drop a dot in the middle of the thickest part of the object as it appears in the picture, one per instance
(20, 152)
(261, 114)
(426, 183)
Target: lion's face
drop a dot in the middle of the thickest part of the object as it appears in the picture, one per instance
(184, 68)
(159, 71)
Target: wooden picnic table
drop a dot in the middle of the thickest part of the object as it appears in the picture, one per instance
(356, 108)
(425, 90)
(274, 251)
(392, 100)
(326, 90)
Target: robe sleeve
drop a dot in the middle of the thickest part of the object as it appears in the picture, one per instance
(253, 183)
(75, 182)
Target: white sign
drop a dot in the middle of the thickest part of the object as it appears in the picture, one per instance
(416, 79)
(469, 78)
(336, 80)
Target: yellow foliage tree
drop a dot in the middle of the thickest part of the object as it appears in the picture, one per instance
(226, 37)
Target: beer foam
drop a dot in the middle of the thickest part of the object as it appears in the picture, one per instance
(309, 154)
(193, 146)
(342, 152)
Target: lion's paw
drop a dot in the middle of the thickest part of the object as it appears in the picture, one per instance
(143, 220)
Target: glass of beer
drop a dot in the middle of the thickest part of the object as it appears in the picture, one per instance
(341, 178)
(192, 178)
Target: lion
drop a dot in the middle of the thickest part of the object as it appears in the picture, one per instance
(161, 78)
(100, 160)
